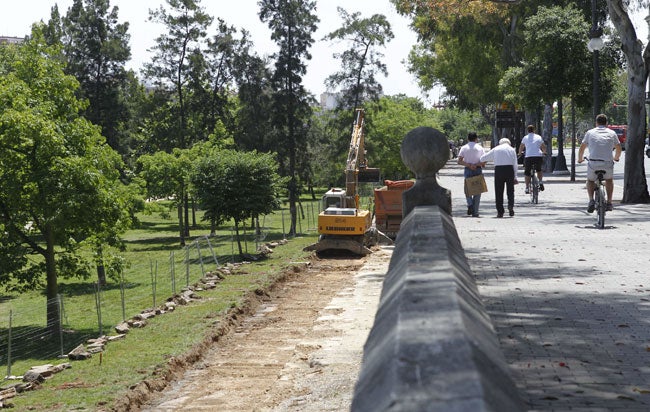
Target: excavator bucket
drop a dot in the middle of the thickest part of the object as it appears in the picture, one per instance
(368, 175)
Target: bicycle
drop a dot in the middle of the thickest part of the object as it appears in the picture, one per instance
(600, 198)
(534, 187)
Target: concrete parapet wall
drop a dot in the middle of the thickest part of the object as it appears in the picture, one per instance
(432, 346)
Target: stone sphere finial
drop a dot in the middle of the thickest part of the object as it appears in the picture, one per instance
(425, 151)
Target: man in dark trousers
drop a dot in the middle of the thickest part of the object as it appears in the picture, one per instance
(505, 174)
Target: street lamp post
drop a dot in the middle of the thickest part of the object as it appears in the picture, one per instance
(595, 44)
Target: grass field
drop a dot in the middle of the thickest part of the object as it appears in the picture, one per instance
(157, 266)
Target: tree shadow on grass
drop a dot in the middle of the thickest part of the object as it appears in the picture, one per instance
(162, 243)
(36, 342)
(81, 289)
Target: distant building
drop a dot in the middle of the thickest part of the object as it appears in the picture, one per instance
(11, 40)
(329, 101)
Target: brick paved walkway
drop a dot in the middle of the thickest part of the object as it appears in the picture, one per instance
(570, 303)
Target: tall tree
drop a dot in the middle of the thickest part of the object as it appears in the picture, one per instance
(212, 80)
(362, 61)
(544, 76)
(96, 47)
(186, 24)
(638, 66)
(60, 181)
(466, 46)
(186, 28)
(253, 118)
(292, 23)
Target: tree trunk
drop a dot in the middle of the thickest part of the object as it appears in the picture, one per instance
(547, 135)
(186, 204)
(560, 161)
(181, 229)
(101, 269)
(241, 251)
(292, 205)
(52, 288)
(193, 201)
(638, 60)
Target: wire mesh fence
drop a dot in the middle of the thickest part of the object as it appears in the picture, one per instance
(93, 309)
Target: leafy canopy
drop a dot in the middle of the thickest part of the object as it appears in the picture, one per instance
(59, 182)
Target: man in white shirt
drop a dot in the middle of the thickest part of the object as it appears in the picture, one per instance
(601, 142)
(505, 174)
(470, 157)
(535, 151)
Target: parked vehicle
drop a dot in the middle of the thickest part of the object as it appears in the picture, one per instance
(621, 132)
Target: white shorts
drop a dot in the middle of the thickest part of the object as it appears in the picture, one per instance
(606, 165)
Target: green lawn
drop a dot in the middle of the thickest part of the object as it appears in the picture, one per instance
(151, 249)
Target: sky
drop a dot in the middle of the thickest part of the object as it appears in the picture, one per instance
(17, 17)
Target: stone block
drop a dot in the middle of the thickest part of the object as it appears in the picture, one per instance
(432, 346)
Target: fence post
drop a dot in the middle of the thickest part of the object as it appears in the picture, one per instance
(232, 245)
(98, 305)
(60, 303)
(173, 271)
(187, 266)
(198, 247)
(284, 234)
(122, 294)
(214, 256)
(11, 314)
(154, 279)
(245, 239)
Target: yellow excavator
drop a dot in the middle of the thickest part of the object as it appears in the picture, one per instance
(342, 224)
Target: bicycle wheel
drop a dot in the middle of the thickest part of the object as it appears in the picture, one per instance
(534, 189)
(600, 207)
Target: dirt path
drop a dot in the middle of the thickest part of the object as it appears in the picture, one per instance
(300, 351)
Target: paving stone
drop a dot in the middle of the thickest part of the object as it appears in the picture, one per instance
(559, 290)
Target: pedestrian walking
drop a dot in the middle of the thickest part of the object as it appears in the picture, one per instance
(600, 142)
(470, 157)
(535, 149)
(505, 174)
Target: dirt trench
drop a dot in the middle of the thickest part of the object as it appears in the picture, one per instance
(300, 348)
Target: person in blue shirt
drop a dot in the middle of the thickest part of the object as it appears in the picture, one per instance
(470, 157)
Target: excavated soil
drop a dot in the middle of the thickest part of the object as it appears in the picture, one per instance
(295, 347)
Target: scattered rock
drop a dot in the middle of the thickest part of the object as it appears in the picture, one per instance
(42, 372)
(116, 337)
(137, 323)
(122, 328)
(7, 394)
(79, 353)
(264, 250)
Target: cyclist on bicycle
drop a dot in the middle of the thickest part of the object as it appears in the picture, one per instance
(535, 151)
(600, 141)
